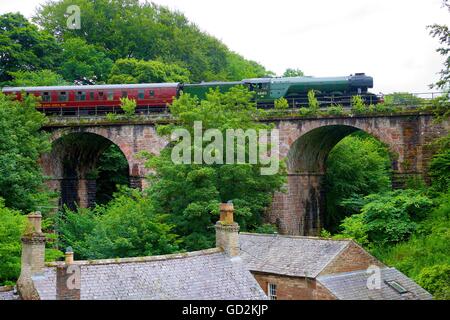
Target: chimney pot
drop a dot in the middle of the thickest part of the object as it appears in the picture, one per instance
(35, 220)
(69, 255)
(226, 213)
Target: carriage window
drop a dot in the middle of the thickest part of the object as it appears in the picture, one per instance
(152, 93)
(80, 96)
(141, 94)
(91, 96)
(110, 95)
(63, 96)
(46, 97)
(124, 94)
(101, 96)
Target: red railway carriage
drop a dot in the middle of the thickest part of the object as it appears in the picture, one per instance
(98, 98)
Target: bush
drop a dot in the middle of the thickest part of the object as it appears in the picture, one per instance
(354, 227)
(336, 110)
(436, 280)
(128, 226)
(358, 106)
(313, 103)
(281, 104)
(440, 166)
(267, 229)
(128, 106)
(392, 217)
(12, 225)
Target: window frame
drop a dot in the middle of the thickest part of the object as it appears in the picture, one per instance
(110, 95)
(272, 291)
(47, 95)
(63, 94)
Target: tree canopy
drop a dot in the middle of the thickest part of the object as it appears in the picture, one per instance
(21, 144)
(23, 47)
(128, 29)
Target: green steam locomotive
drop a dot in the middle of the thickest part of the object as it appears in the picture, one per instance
(328, 90)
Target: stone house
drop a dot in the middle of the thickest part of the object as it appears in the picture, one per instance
(242, 267)
(309, 268)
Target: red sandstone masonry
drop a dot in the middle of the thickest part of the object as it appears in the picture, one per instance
(300, 210)
(351, 258)
(293, 288)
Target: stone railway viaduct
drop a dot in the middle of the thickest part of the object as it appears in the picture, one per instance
(304, 142)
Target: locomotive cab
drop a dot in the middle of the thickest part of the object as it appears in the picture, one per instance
(360, 83)
(261, 87)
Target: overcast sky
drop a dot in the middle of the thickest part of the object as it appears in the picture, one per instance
(386, 39)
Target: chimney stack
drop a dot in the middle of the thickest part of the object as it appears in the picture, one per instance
(33, 257)
(227, 231)
(68, 278)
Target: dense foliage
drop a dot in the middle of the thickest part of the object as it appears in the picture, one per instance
(129, 29)
(24, 47)
(408, 229)
(12, 225)
(21, 144)
(128, 226)
(191, 193)
(442, 32)
(357, 166)
(141, 71)
(112, 171)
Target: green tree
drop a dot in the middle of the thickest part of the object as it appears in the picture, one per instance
(402, 98)
(440, 166)
(83, 61)
(191, 193)
(388, 218)
(436, 280)
(37, 78)
(128, 226)
(356, 167)
(146, 31)
(424, 257)
(23, 47)
(443, 34)
(12, 225)
(21, 144)
(113, 171)
(293, 73)
(140, 71)
(128, 106)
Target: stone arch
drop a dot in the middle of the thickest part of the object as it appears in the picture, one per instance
(71, 163)
(305, 146)
(130, 139)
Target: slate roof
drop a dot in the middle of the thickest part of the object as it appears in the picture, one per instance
(289, 255)
(353, 286)
(8, 295)
(208, 274)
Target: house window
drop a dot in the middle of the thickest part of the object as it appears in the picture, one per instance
(141, 94)
(110, 95)
(46, 97)
(272, 290)
(62, 96)
(396, 286)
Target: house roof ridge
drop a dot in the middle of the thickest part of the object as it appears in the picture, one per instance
(275, 235)
(180, 255)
